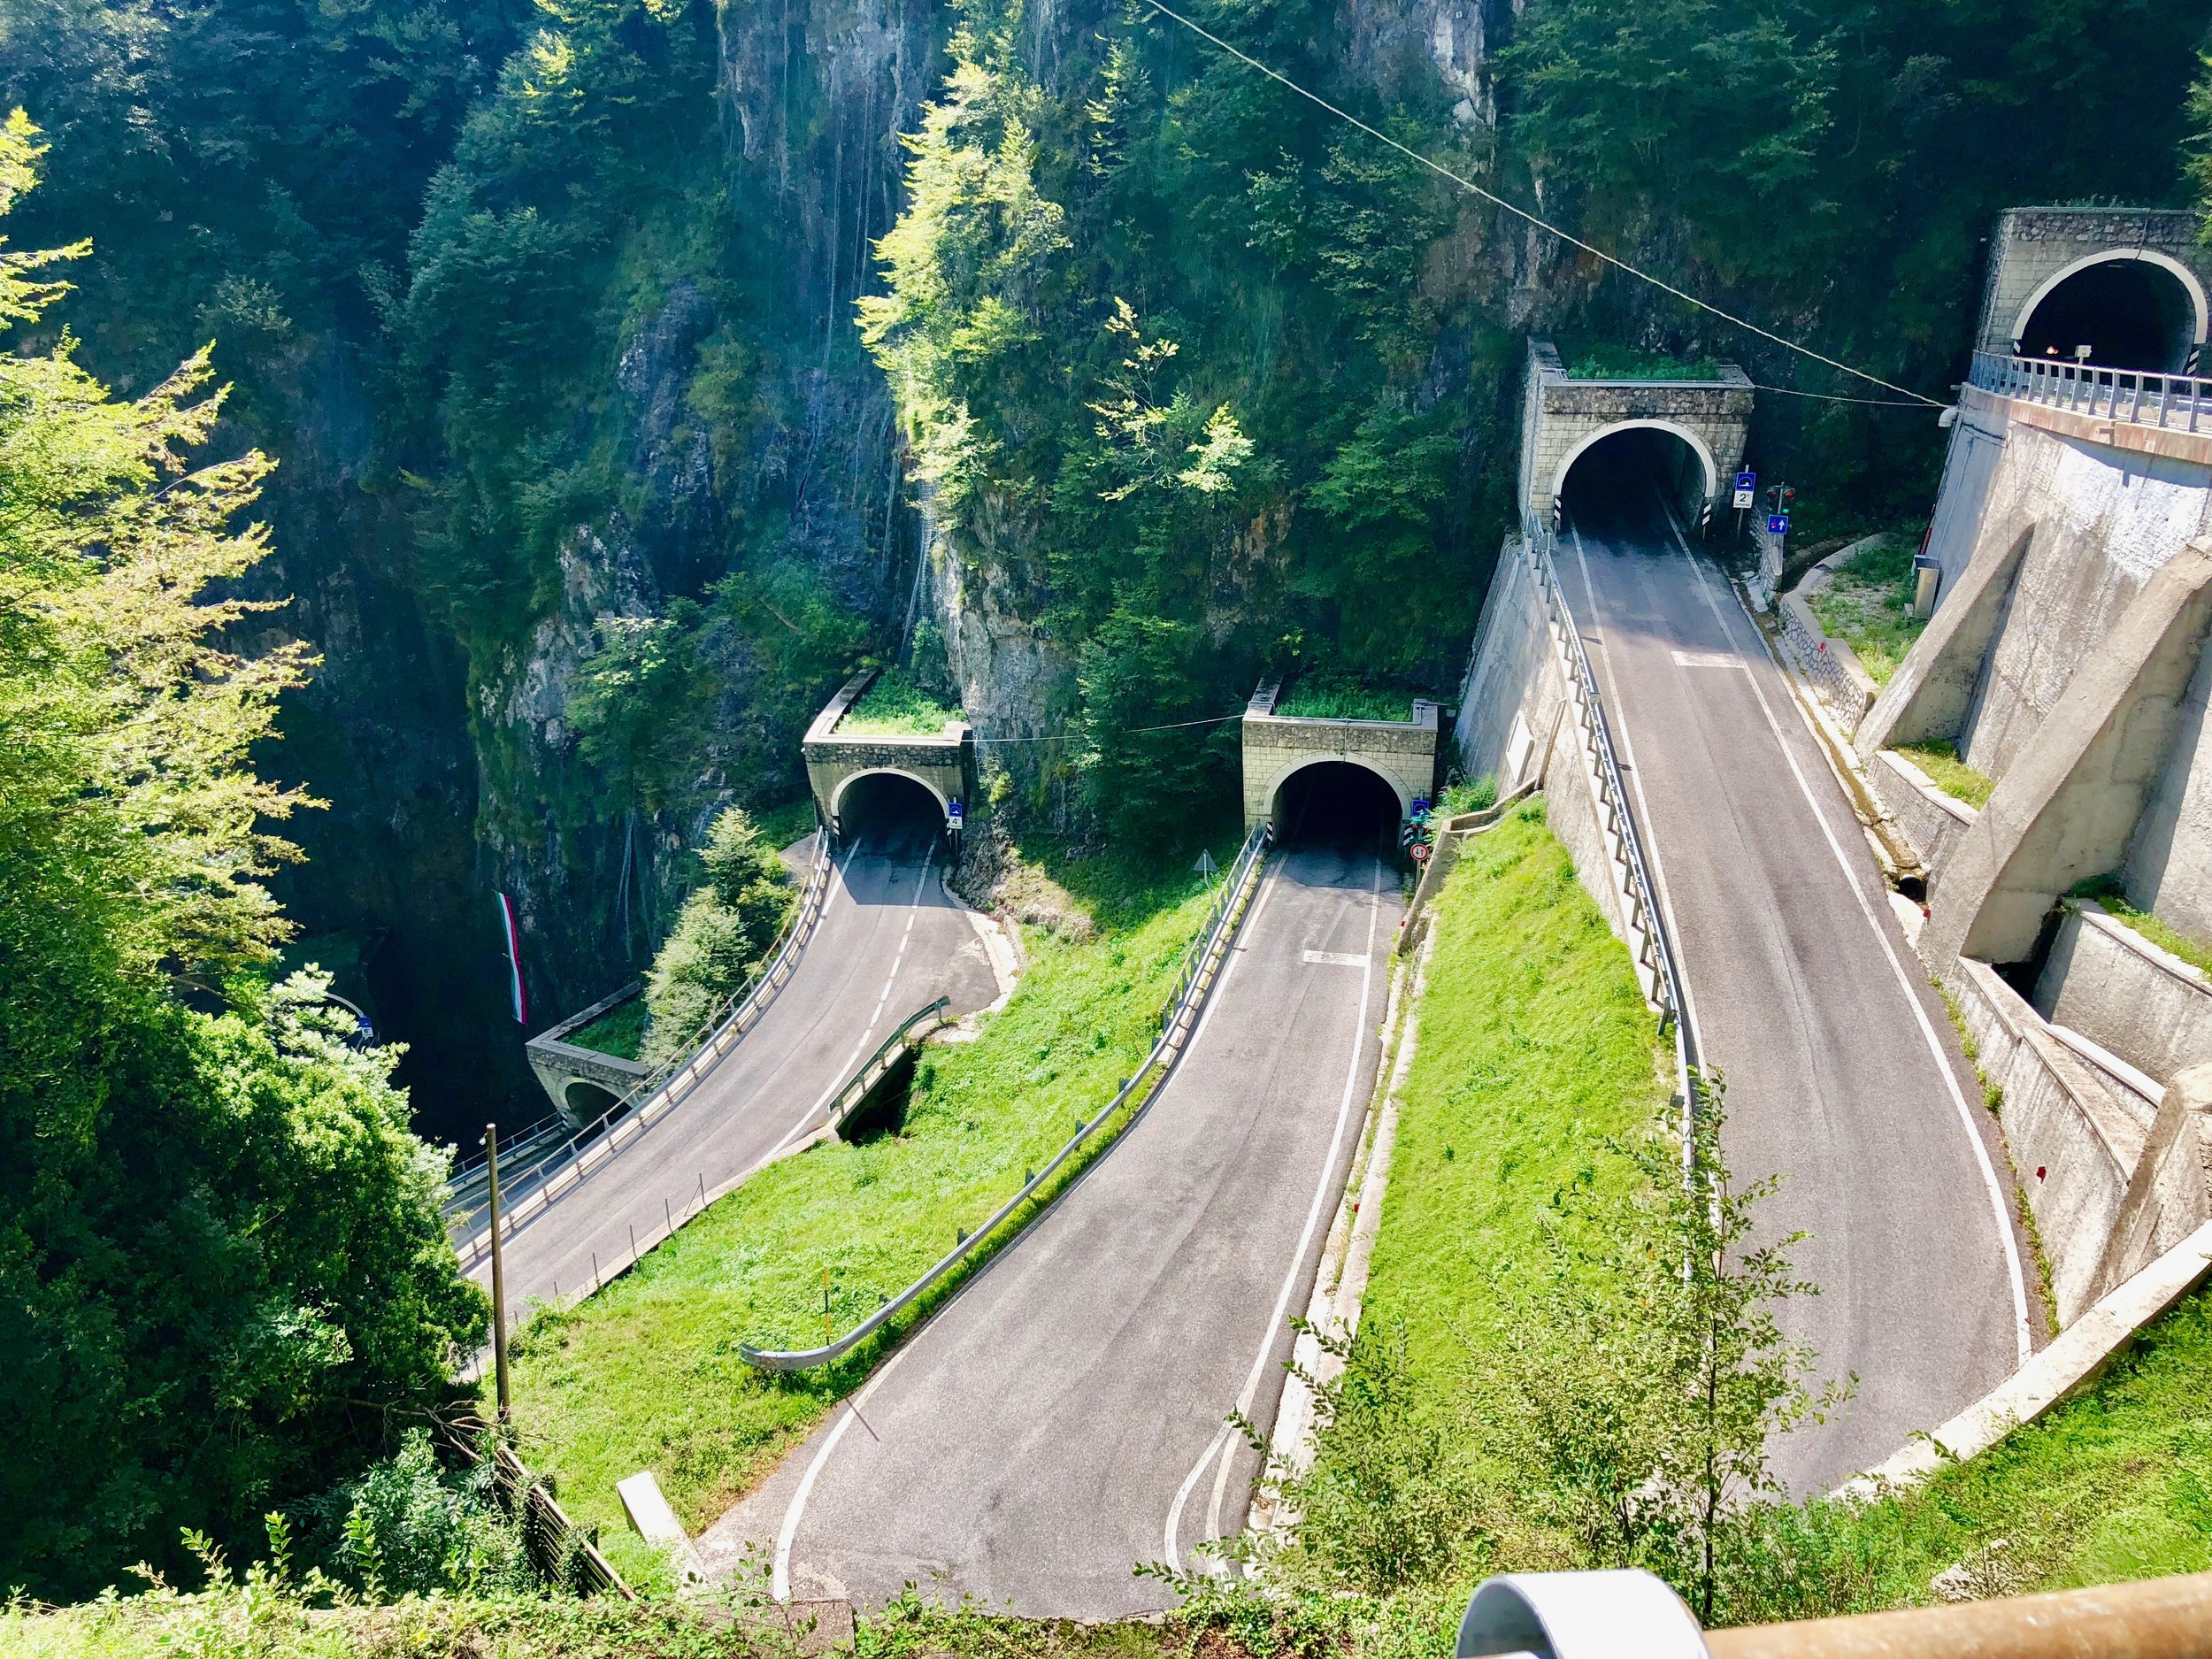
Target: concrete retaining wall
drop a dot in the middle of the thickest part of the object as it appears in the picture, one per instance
(1516, 723)
(2108, 982)
(2059, 1120)
(1931, 821)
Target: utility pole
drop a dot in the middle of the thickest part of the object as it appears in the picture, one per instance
(499, 1271)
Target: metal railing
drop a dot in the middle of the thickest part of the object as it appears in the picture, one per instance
(2135, 397)
(1202, 967)
(1628, 1614)
(654, 1096)
(878, 1065)
(1655, 953)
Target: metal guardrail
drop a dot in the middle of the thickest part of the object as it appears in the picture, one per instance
(877, 1066)
(1202, 967)
(655, 1096)
(2170, 403)
(1656, 953)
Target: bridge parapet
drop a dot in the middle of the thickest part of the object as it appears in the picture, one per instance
(943, 763)
(1563, 416)
(1402, 753)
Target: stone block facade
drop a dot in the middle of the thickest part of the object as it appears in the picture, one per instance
(1401, 753)
(560, 1065)
(1560, 417)
(943, 765)
(2036, 247)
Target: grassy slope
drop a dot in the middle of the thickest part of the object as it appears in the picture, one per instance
(1945, 770)
(1534, 1046)
(1868, 605)
(647, 1374)
(2116, 1485)
(2108, 892)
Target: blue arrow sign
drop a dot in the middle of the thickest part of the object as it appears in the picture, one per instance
(1778, 524)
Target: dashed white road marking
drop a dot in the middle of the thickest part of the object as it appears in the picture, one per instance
(1335, 959)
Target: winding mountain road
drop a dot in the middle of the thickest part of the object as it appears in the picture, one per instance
(1062, 1419)
(1843, 1074)
(889, 940)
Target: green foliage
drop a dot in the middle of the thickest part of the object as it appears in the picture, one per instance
(1460, 796)
(1335, 698)
(404, 1527)
(646, 1373)
(1608, 360)
(894, 706)
(721, 936)
(221, 1265)
(1939, 759)
(620, 1031)
(1868, 605)
(1144, 757)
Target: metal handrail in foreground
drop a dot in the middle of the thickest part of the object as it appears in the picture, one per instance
(2133, 397)
(655, 1095)
(1192, 985)
(1631, 1615)
(1642, 892)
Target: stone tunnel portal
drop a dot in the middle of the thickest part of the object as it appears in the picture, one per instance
(2131, 311)
(891, 812)
(1338, 805)
(1631, 475)
(583, 1101)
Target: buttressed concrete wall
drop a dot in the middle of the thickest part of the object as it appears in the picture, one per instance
(2066, 809)
(1561, 418)
(1401, 753)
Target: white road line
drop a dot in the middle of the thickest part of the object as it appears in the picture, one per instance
(780, 1576)
(1645, 822)
(1335, 959)
(1222, 1440)
(914, 908)
(1999, 1209)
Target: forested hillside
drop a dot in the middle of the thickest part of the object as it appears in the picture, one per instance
(632, 369)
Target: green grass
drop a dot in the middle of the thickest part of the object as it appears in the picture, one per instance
(2114, 1485)
(617, 1031)
(1462, 796)
(1329, 697)
(645, 1374)
(780, 825)
(1945, 770)
(1534, 1046)
(894, 706)
(1868, 605)
(2108, 892)
(1604, 360)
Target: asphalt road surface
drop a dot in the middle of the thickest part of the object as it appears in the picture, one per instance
(888, 940)
(1062, 1420)
(1843, 1074)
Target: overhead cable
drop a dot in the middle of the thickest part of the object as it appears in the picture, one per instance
(1472, 188)
(1125, 731)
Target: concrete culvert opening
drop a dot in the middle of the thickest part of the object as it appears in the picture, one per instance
(1621, 481)
(1337, 804)
(2131, 313)
(890, 813)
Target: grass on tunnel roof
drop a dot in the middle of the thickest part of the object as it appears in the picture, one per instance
(1334, 697)
(894, 706)
(645, 1374)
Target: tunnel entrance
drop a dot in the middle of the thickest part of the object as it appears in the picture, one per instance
(1621, 480)
(2130, 314)
(1339, 806)
(586, 1101)
(890, 812)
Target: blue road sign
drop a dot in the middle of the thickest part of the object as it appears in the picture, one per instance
(1747, 480)
(1778, 524)
(954, 810)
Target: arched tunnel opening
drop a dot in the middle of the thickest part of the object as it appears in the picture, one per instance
(890, 813)
(1338, 806)
(1627, 480)
(586, 1101)
(2130, 313)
